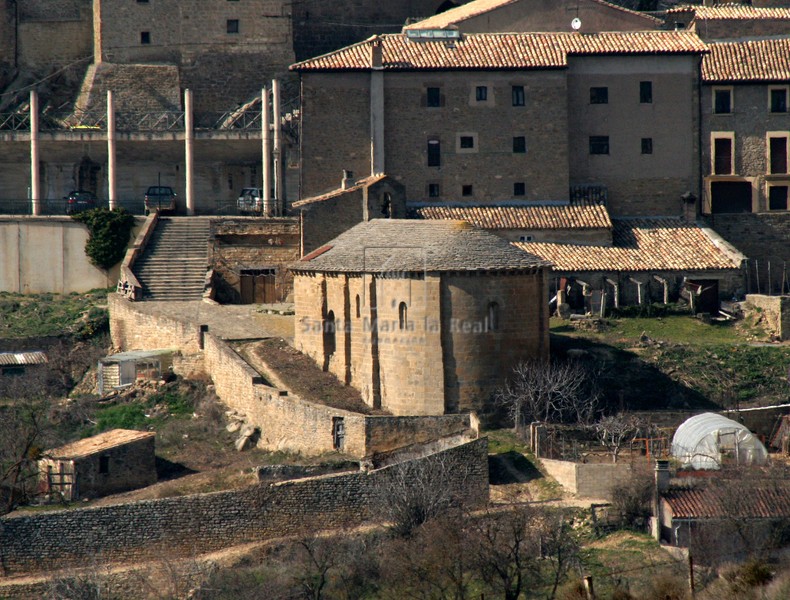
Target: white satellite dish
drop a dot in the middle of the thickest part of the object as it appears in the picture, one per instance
(576, 24)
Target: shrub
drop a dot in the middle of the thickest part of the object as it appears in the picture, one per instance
(109, 232)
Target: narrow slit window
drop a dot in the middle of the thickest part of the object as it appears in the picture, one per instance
(517, 91)
(493, 316)
(434, 153)
(403, 316)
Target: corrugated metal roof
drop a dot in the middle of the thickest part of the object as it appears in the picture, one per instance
(98, 443)
(646, 244)
(136, 355)
(520, 217)
(23, 358)
(757, 60)
(501, 50)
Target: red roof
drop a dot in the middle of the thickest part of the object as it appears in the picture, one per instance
(731, 498)
(501, 50)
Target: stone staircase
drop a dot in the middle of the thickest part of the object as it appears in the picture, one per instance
(174, 264)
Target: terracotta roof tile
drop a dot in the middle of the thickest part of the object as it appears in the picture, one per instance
(340, 191)
(759, 60)
(467, 11)
(411, 246)
(732, 11)
(650, 244)
(36, 357)
(520, 217)
(719, 499)
(501, 50)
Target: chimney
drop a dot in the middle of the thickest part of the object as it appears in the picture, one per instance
(662, 476)
(348, 180)
(690, 212)
(376, 60)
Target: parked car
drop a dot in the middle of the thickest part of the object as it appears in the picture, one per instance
(250, 201)
(161, 198)
(80, 200)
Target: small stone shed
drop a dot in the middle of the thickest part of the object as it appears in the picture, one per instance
(111, 462)
(707, 440)
(126, 368)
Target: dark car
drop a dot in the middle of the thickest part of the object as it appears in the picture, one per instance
(160, 198)
(80, 200)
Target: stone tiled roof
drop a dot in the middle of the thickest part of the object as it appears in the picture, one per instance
(340, 191)
(731, 11)
(411, 246)
(717, 500)
(467, 11)
(502, 50)
(99, 443)
(649, 244)
(758, 60)
(520, 217)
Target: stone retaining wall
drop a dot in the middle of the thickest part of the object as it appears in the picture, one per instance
(775, 311)
(196, 524)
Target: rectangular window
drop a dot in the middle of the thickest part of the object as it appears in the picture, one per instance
(779, 100)
(599, 144)
(646, 92)
(722, 101)
(481, 93)
(104, 464)
(466, 142)
(777, 197)
(145, 37)
(599, 95)
(233, 26)
(647, 145)
(519, 188)
(518, 95)
(433, 190)
(466, 190)
(519, 145)
(722, 156)
(434, 153)
(777, 154)
(433, 97)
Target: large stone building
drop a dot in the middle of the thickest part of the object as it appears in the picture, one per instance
(497, 117)
(423, 317)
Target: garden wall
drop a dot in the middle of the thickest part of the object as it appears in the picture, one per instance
(588, 480)
(196, 524)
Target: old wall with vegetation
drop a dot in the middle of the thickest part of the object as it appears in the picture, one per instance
(204, 522)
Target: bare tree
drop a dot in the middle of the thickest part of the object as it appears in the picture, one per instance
(550, 391)
(415, 492)
(613, 431)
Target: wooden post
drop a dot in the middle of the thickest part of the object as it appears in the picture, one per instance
(691, 575)
(588, 587)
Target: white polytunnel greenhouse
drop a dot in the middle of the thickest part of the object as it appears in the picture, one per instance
(707, 440)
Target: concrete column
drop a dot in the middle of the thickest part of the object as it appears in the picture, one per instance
(112, 180)
(267, 153)
(376, 110)
(277, 151)
(189, 159)
(35, 174)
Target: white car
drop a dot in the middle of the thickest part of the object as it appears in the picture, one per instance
(250, 201)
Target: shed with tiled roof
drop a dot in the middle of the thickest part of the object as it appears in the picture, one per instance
(422, 317)
(731, 21)
(651, 260)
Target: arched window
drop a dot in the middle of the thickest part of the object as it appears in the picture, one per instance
(403, 316)
(493, 316)
(358, 311)
(330, 343)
